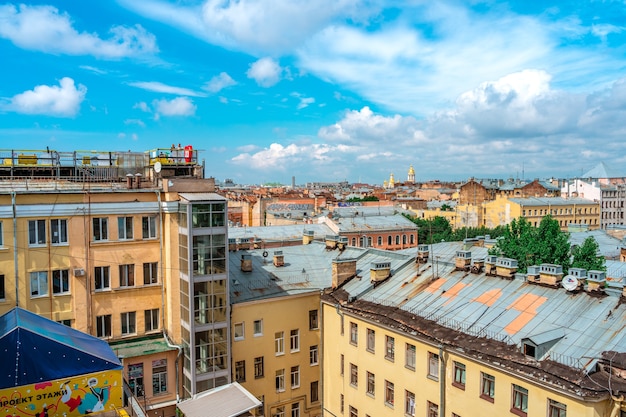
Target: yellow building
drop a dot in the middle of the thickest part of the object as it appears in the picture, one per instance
(275, 321)
(467, 344)
(567, 211)
(102, 243)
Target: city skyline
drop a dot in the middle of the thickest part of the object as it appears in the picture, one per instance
(323, 91)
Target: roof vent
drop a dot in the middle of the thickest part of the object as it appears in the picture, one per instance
(596, 280)
(463, 260)
(477, 265)
(422, 254)
(490, 265)
(550, 274)
(342, 242)
(246, 263)
(380, 271)
(331, 241)
(506, 267)
(279, 258)
(307, 237)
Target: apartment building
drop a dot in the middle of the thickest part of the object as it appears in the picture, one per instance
(473, 339)
(567, 211)
(611, 195)
(124, 246)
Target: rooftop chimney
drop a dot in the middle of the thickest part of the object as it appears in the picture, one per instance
(307, 237)
(463, 260)
(422, 254)
(331, 241)
(550, 274)
(596, 280)
(246, 263)
(506, 267)
(279, 258)
(343, 269)
(380, 271)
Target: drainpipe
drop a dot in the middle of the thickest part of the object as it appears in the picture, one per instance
(617, 405)
(17, 281)
(442, 382)
(167, 340)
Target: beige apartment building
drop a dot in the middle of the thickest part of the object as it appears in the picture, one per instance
(567, 211)
(129, 247)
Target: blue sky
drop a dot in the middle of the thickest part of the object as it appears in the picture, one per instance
(324, 90)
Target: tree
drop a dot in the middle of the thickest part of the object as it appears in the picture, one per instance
(587, 256)
(534, 246)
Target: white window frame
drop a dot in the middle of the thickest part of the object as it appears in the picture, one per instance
(100, 230)
(295, 376)
(258, 328)
(259, 367)
(129, 323)
(371, 340)
(370, 387)
(39, 284)
(102, 322)
(409, 403)
(150, 273)
(280, 380)
(127, 275)
(279, 343)
(313, 355)
(151, 320)
(390, 348)
(125, 228)
(354, 334)
(63, 275)
(148, 227)
(294, 340)
(433, 365)
(295, 410)
(36, 236)
(58, 232)
(104, 273)
(239, 331)
(409, 356)
(159, 378)
(389, 393)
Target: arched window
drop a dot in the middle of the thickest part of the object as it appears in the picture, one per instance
(404, 239)
(354, 241)
(397, 239)
(380, 240)
(412, 239)
(389, 240)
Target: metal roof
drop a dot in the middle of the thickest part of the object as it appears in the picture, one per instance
(505, 310)
(551, 201)
(608, 245)
(278, 233)
(202, 197)
(360, 224)
(229, 400)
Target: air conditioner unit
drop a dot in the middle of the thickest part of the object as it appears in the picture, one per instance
(79, 272)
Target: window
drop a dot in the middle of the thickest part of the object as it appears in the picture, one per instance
(2, 290)
(459, 375)
(58, 231)
(313, 320)
(341, 403)
(240, 371)
(66, 322)
(124, 228)
(103, 326)
(159, 376)
(519, 401)
(239, 331)
(280, 412)
(150, 273)
(295, 376)
(354, 334)
(1, 236)
(409, 403)
(371, 384)
(61, 281)
(258, 327)
(100, 229)
(379, 241)
(148, 227)
(151, 319)
(353, 412)
(295, 410)
(371, 340)
(279, 343)
(260, 411)
(354, 375)
(36, 232)
(390, 344)
(127, 275)
(556, 409)
(315, 396)
(433, 365)
(487, 386)
(432, 410)
(409, 356)
(280, 380)
(38, 283)
(101, 277)
(258, 367)
(313, 355)
(128, 323)
(294, 340)
(341, 361)
(389, 393)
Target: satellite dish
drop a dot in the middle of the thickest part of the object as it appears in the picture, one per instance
(569, 282)
(157, 167)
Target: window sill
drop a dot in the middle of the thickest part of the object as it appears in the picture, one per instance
(459, 385)
(390, 359)
(410, 368)
(433, 377)
(487, 398)
(518, 412)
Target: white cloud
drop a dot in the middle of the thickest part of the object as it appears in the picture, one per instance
(266, 72)
(158, 87)
(46, 29)
(137, 122)
(143, 106)
(179, 106)
(303, 101)
(60, 101)
(219, 82)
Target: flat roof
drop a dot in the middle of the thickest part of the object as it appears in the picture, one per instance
(229, 400)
